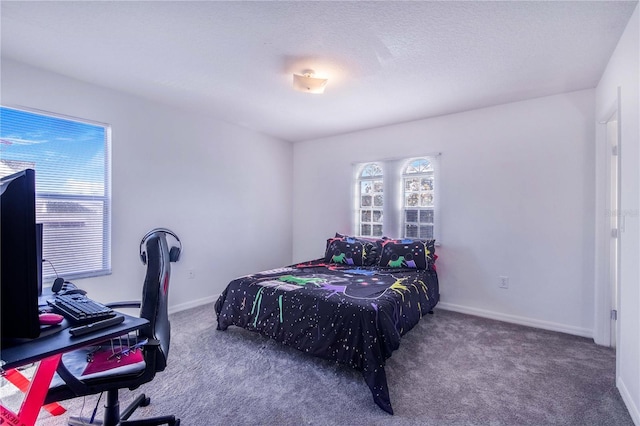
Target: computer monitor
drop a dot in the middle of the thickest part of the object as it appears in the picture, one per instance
(19, 256)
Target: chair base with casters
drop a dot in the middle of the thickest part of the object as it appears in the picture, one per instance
(113, 416)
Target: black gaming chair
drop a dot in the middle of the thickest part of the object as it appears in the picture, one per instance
(70, 384)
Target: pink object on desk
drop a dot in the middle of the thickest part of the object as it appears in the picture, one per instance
(50, 319)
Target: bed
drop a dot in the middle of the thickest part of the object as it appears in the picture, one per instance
(351, 306)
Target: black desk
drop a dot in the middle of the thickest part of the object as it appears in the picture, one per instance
(48, 351)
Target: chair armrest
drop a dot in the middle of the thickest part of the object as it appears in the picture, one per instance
(129, 304)
(76, 386)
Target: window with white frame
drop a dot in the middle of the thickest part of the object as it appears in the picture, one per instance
(418, 194)
(370, 200)
(403, 192)
(73, 202)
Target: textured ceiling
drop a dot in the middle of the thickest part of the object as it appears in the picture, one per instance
(388, 62)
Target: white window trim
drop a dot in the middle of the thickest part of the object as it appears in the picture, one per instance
(393, 205)
(358, 208)
(106, 198)
(418, 207)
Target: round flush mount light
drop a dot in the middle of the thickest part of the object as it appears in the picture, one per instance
(309, 83)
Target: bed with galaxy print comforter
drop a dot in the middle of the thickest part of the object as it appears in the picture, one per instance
(343, 307)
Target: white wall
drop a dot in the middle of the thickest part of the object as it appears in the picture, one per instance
(517, 199)
(623, 70)
(226, 191)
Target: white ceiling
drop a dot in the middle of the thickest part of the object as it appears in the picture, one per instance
(388, 62)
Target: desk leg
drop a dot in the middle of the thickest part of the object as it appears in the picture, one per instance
(18, 379)
(38, 389)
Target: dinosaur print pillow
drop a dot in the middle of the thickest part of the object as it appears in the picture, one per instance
(407, 253)
(350, 251)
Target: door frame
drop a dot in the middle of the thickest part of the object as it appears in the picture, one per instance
(604, 267)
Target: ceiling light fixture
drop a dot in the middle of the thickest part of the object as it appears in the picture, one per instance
(308, 83)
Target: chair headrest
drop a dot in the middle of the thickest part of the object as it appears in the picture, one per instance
(174, 252)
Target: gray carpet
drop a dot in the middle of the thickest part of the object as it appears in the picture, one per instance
(451, 369)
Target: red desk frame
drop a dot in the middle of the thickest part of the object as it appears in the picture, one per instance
(48, 352)
(35, 395)
(17, 379)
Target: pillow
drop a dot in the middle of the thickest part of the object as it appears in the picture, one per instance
(407, 253)
(350, 251)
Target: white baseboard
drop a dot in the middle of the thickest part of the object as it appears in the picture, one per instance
(193, 304)
(628, 401)
(546, 325)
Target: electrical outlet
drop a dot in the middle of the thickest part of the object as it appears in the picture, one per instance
(504, 282)
(191, 274)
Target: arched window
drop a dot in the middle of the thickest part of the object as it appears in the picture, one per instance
(418, 192)
(370, 200)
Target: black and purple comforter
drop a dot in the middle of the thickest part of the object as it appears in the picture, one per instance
(354, 315)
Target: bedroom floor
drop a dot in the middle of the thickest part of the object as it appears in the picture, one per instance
(451, 369)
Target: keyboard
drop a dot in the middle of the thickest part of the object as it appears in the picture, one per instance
(79, 309)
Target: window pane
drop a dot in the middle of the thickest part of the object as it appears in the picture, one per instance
(411, 231)
(426, 216)
(72, 230)
(72, 196)
(411, 200)
(426, 231)
(377, 231)
(419, 165)
(370, 186)
(427, 184)
(412, 184)
(371, 170)
(426, 200)
(68, 156)
(418, 183)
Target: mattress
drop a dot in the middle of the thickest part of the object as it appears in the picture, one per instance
(352, 315)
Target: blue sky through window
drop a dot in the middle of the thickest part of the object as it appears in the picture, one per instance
(68, 156)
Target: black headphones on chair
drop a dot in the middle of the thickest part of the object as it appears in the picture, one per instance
(174, 252)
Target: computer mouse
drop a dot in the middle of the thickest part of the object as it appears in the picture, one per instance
(50, 319)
